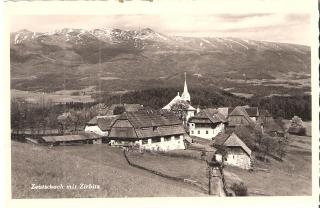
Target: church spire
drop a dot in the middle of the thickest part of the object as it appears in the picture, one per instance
(185, 95)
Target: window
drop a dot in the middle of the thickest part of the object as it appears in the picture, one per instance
(145, 141)
(154, 128)
(155, 140)
(199, 132)
(192, 132)
(207, 132)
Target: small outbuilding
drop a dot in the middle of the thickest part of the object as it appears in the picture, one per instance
(231, 150)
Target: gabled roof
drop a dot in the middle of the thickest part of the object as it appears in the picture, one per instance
(103, 122)
(225, 111)
(220, 138)
(232, 140)
(150, 119)
(64, 138)
(240, 111)
(252, 111)
(160, 131)
(208, 116)
(172, 102)
(175, 100)
(146, 124)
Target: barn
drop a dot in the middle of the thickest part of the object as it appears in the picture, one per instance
(149, 130)
(207, 124)
(239, 116)
(232, 151)
(100, 125)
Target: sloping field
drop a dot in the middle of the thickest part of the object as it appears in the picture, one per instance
(88, 164)
(186, 168)
(292, 177)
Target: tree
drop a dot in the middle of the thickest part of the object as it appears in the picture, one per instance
(296, 122)
(118, 110)
(180, 108)
(281, 150)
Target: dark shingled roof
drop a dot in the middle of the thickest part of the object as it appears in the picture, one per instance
(231, 141)
(208, 116)
(148, 119)
(144, 124)
(240, 111)
(160, 131)
(103, 122)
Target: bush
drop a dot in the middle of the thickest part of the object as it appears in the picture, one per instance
(239, 189)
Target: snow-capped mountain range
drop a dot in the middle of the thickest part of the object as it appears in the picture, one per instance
(131, 53)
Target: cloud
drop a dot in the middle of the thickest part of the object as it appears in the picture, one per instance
(292, 27)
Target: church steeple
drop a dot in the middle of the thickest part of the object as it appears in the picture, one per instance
(185, 95)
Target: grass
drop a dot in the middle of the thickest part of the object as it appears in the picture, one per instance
(292, 177)
(181, 167)
(88, 164)
(57, 97)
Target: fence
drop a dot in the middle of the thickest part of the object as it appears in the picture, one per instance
(194, 183)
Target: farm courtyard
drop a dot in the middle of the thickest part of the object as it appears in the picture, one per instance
(106, 167)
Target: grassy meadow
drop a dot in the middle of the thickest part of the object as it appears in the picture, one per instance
(88, 164)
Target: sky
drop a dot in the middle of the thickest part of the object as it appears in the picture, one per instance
(289, 26)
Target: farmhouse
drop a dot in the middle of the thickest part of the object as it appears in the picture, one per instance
(184, 99)
(232, 151)
(207, 124)
(85, 138)
(239, 116)
(149, 130)
(100, 125)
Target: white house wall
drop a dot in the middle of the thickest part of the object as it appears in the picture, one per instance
(174, 144)
(206, 132)
(95, 129)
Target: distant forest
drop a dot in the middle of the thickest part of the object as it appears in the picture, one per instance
(278, 106)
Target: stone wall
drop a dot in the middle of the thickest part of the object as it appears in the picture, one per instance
(239, 159)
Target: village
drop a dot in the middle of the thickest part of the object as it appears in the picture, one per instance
(220, 137)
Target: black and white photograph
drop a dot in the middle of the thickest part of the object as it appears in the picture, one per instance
(161, 104)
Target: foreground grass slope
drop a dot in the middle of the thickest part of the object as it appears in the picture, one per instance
(90, 164)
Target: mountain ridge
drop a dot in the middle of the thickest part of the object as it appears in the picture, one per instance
(84, 56)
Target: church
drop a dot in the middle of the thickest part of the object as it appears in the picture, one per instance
(184, 99)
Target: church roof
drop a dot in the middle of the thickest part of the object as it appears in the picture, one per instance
(172, 102)
(185, 95)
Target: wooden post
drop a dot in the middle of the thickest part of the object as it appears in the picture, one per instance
(210, 173)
